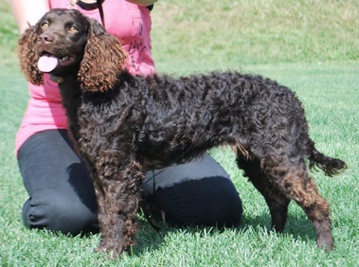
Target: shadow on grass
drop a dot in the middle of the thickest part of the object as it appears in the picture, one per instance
(298, 227)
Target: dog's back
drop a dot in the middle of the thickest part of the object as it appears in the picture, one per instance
(203, 111)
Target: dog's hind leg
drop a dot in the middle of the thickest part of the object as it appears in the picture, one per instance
(275, 199)
(292, 178)
(304, 191)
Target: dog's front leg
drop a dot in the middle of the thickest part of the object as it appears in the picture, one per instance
(118, 194)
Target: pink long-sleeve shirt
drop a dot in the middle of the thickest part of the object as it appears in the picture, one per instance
(130, 23)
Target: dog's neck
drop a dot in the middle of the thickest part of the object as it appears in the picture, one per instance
(69, 77)
(71, 94)
(68, 84)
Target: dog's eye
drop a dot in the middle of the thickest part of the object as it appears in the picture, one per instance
(44, 25)
(72, 29)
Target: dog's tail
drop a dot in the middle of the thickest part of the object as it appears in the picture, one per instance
(330, 166)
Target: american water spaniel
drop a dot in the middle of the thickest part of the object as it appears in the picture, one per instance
(123, 125)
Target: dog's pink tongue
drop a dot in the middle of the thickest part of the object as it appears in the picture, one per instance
(47, 63)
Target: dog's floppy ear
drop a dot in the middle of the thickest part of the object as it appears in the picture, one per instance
(28, 57)
(103, 59)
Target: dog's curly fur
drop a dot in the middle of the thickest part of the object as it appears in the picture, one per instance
(124, 125)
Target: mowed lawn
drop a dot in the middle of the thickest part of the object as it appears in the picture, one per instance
(309, 46)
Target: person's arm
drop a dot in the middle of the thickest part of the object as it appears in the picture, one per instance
(28, 12)
(142, 2)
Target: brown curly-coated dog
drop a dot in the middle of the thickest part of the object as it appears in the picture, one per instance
(124, 125)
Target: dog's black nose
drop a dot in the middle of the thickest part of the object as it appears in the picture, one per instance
(46, 38)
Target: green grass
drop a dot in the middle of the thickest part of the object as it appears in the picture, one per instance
(312, 48)
(221, 33)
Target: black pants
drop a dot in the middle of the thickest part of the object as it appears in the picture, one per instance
(62, 198)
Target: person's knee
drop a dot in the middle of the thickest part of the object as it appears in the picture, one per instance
(210, 201)
(222, 205)
(228, 209)
(60, 214)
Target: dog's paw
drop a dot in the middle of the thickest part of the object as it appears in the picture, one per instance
(112, 248)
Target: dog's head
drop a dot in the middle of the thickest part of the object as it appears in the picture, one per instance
(65, 42)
